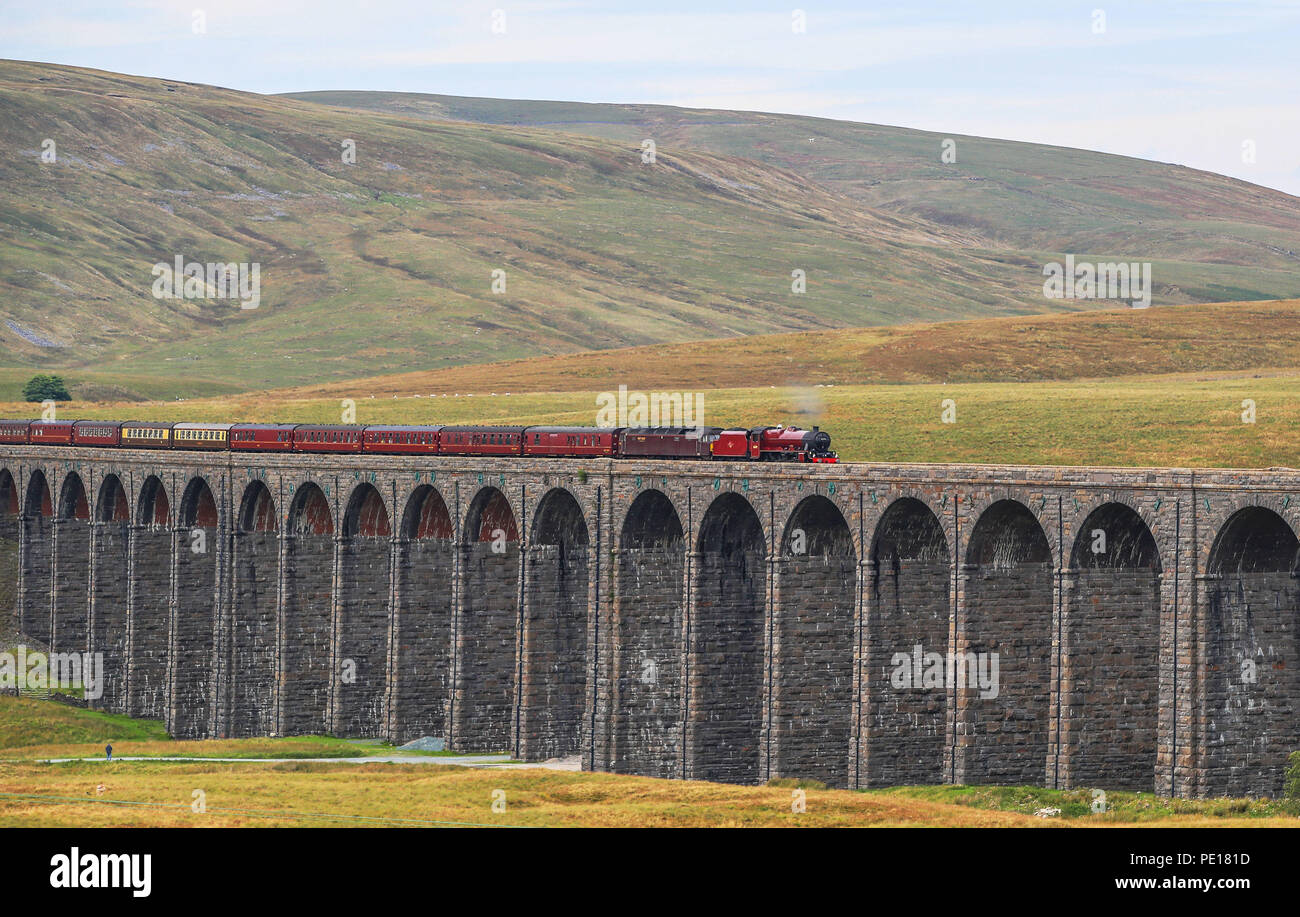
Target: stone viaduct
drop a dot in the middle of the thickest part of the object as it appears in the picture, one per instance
(732, 622)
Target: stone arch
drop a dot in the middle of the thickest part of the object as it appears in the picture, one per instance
(153, 509)
(909, 602)
(73, 503)
(193, 633)
(10, 534)
(253, 630)
(421, 666)
(70, 595)
(726, 644)
(1110, 653)
(109, 619)
(812, 678)
(38, 501)
(308, 613)
(484, 692)
(1252, 654)
(37, 558)
(8, 494)
(360, 674)
(112, 504)
(554, 672)
(1007, 610)
(150, 602)
(646, 717)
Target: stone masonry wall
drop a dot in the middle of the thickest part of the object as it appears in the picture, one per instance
(71, 584)
(1252, 690)
(726, 670)
(149, 613)
(813, 685)
(422, 670)
(484, 691)
(647, 711)
(253, 637)
(304, 690)
(1111, 678)
(554, 686)
(363, 644)
(108, 626)
(686, 639)
(906, 713)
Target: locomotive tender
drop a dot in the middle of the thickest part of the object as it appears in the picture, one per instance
(782, 444)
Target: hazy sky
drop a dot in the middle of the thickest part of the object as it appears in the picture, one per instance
(1197, 82)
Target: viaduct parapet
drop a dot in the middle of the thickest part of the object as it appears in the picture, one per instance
(1112, 628)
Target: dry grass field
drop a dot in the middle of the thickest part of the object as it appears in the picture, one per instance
(324, 793)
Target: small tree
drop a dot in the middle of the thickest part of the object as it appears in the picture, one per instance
(46, 388)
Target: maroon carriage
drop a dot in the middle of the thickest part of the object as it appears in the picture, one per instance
(401, 440)
(52, 432)
(667, 442)
(262, 437)
(15, 432)
(480, 440)
(569, 441)
(97, 433)
(327, 438)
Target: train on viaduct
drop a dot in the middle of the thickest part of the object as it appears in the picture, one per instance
(719, 621)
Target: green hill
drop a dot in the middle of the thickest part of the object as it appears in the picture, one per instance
(385, 265)
(998, 193)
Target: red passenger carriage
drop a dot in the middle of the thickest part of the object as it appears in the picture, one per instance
(480, 440)
(15, 432)
(401, 440)
(262, 437)
(576, 441)
(52, 432)
(327, 438)
(97, 433)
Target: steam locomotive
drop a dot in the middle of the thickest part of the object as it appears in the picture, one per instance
(759, 444)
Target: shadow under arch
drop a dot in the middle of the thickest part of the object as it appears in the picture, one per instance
(108, 604)
(194, 638)
(812, 672)
(1110, 653)
(554, 687)
(254, 639)
(1003, 696)
(725, 650)
(645, 724)
(37, 526)
(1252, 692)
(365, 555)
(908, 609)
(150, 602)
(70, 595)
(483, 699)
(421, 669)
(308, 577)
(10, 535)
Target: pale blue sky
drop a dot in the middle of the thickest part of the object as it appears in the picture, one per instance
(1187, 81)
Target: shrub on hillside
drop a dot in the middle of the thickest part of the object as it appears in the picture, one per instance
(46, 388)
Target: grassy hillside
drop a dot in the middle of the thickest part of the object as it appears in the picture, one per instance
(998, 193)
(26, 721)
(1222, 338)
(1160, 387)
(385, 265)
